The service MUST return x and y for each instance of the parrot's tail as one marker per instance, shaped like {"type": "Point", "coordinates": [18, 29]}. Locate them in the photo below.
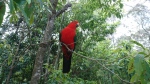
{"type": "Point", "coordinates": [66, 63]}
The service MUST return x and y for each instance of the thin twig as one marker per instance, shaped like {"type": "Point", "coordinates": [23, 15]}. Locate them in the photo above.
{"type": "Point", "coordinates": [80, 54]}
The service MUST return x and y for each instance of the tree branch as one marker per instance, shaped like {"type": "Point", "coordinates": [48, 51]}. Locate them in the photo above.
{"type": "Point", "coordinates": [63, 9]}
{"type": "Point", "coordinates": [54, 3]}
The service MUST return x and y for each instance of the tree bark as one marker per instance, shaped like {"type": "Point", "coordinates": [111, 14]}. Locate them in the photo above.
{"type": "Point", "coordinates": [36, 74]}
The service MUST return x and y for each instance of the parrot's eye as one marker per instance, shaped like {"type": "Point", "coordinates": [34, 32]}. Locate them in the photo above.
{"type": "Point", "coordinates": [77, 25]}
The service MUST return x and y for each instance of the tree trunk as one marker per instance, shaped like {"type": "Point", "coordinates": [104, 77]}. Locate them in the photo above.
{"type": "Point", "coordinates": [36, 74]}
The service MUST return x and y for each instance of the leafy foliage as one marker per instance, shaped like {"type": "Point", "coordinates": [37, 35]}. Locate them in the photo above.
{"type": "Point", "coordinates": [139, 67]}
{"type": "Point", "coordinates": [2, 11]}
{"type": "Point", "coordinates": [95, 60]}
{"type": "Point", "coordinates": [59, 77]}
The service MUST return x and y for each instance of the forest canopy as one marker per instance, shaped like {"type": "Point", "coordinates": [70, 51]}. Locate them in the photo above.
{"type": "Point", "coordinates": [30, 50]}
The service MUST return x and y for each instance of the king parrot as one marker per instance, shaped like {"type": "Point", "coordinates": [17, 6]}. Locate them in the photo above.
{"type": "Point", "coordinates": [67, 39]}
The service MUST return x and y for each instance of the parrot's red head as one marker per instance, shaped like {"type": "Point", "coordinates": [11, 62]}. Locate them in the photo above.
{"type": "Point", "coordinates": [73, 24]}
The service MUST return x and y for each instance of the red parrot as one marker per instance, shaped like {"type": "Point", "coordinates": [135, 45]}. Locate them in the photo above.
{"type": "Point", "coordinates": [67, 39]}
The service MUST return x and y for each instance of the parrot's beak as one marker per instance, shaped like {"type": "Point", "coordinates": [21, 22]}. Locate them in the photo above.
{"type": "Point", "coordinates": [77, 25]}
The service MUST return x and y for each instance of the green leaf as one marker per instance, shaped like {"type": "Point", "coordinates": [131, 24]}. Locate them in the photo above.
{"type": "Point", "coordinates": [130, 66]}
{"type": "Point", "coordinates": [143, 81]}
{"type": "Point", "coordinates": [20, 2]}
{"type": "Point", "coordinates": [31, 19]}
{"type": "Point", "coordinates": [121, 5]}
{"type": "Point", "coordinates": [24, 14]}
{"type": "Point", "coordinates": [9, 59]}
{"type": "Point", "coordinates": [29, 1]}
{"type": "Point", "coordinates": [146, 73]}
{"type": "Point", "coordinates": [49, 3]}
{"type": "Point", "coordinates": [13, 18]}
{"type": "Point", "coordinates": [118, 15]}
{"type": "Point", "coordinates": [142, 53]}
{"type": "Point", "coordinates": [21, 59]}
{"type": "Point", "coordinates": [2, 11]}
{"type": "Point", "coordinates": [138, 60]}
{"type": "Point", "coordinates": [41, 2]}
{"type": "Point", "coordinates": [28, 9]}
{"type": "Point", "coordinates": [117, 50]}
{"type": "Point", "coordinates": [134, 78]}
{"type": "Point", "coordinates": [11, 6]}
{"type": "Point", "coordinates": [137, 43]}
